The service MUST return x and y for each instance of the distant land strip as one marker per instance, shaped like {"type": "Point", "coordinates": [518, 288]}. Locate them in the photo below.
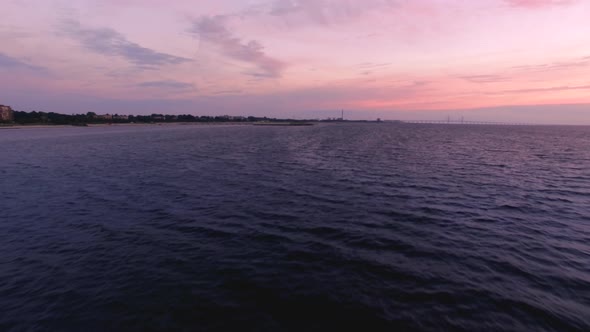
{"type": "Point", "coordinates": [52, 118]}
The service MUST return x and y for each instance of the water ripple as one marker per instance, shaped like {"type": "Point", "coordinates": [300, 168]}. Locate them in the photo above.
{"type": "Point", "coordinates": [351, 226]}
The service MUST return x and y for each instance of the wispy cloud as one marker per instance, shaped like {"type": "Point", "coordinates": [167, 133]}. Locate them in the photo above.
{"type": "Point", "coordinates": [538, 3]}
{"type": "Point", "coordinates": [9, 62]}
{"type": "Point", "coordinates": [167, 84]}
{"type": "Point", "coordinates": [536, 90]}
{"type": "Point", "coordinates": [326, 11]}
{"type": "Point", "coordinates": [372, 65]}
{"type": "Point", "coordinates": [570, 64]}
{"type": "Point", "coordinates": [369, 68]}
{"type": "Point", "coordinates": [285, 7]}
{"type": "Point", "coordinates": [227, 92]}
{"type": "Point", "coordinates": [213, 29]}
{"type": "Point", "coordinates": [484, 78]}
{"type": "Point", "coordinates": [109, 42]}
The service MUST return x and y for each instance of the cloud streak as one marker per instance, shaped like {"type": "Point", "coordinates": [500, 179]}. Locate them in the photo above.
{"type": "Point", "coordinates": [109, 42]}
{"type": "Point", "coordinates": [213, 29]}
{"type": "Point", "coordinates": [538, 3]}
{"type": "Point", "coordinates": [327, 11]}
{"type": "Point", "coordinates": [228, 92]}
{"type": "Point", "coordinates": [9, 62]}
{"type": "Point", "coordinates": [484, 78]}
{"type": "Point", "coordinates": [562, 65]}
{"type": "Point", "coordinates": [167, 84]}
{"type": "Point", "coordinates": [536, 90]}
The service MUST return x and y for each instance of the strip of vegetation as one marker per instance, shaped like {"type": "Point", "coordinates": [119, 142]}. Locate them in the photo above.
{"type": "Point", "coordinates": [51, 118]}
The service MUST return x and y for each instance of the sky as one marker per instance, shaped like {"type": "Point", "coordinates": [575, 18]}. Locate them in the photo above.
{"type": "Point", "coordinates": [494, 60]}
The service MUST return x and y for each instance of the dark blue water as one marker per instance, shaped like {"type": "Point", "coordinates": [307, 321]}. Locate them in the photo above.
{"type": "Point", "coordinates": [350, 226]}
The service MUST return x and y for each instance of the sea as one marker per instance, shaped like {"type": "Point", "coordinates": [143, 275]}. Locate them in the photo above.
{"type": "Point", "coordinates": [342, 226]}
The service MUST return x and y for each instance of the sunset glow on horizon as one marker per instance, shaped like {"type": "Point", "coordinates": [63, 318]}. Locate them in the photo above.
{"type": "Point", "coordinates": [514, 60]}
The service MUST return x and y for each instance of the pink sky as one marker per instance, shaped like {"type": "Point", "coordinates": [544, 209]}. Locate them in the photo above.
{"type": "Point", "coordinates": [501, 60]}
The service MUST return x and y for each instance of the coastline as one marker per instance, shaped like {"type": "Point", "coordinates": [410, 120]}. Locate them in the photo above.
{"type": "Point", "coordinates": [90, 125]}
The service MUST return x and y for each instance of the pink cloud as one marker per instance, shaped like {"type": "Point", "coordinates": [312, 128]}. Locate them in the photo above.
{"type": "Point", "coordinates": [214, 30]}
{"type": "Point", "coordinates": [537, 90]}
{"type": "Point", "coordinates": [538, 3]}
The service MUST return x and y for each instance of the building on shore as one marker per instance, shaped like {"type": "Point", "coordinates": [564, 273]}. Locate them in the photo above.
{"type": "Point", "coordinates": [105, 116]}
{"type": "Point", "coordinates": [120, 117]}
{"type": "Point", "coordinates": [6, 114]}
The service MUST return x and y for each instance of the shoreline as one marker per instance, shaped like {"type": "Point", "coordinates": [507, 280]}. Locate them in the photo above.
{"type": "Point", "coordinates": [90, 125]}
{"type": "Point", "coordinates": [159, 124]}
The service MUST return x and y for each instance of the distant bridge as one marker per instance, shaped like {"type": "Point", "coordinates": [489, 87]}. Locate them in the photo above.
{"type": "Point", "coordinates": [465, 122]}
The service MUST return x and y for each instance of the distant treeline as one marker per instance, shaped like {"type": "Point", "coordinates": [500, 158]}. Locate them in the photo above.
{"type": "Point", "coordinates": [93, 118]}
